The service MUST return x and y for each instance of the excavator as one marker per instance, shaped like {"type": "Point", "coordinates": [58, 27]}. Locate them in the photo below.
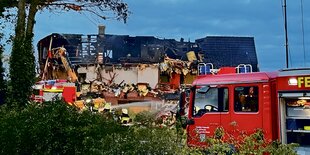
{"type": "Point", "coordinates": [61, 53]}
{"type": "Point", "coordinates": [53, 68]}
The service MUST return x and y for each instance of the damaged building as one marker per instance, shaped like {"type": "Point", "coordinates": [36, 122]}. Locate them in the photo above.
{"type": "Point", "coordinates": [128, 68]}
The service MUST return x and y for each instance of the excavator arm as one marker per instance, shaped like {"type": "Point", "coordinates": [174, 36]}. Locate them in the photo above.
{"type": "Point", "coordinates": [62, 54]}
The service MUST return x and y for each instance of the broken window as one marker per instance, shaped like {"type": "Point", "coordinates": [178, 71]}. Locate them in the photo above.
{"type": "Point", "coordinates": [109, 54]}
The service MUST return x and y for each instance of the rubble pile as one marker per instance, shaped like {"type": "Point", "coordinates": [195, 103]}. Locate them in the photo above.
{"type": "Point", "coordinates": [171, 66]}
{"type": "Point", "coordinates": [165, 89]}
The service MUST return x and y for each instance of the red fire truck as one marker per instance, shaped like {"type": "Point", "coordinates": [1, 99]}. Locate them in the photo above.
{"type": "Point", "coordinates": [276, 102]}
{"type": "Point", "coordinates": [53, 89]}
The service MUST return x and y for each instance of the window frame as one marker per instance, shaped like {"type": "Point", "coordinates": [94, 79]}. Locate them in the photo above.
{"type": "Point", "coordinates": [220, 104]}
{"type": "Point", "coordinates": [248, 99]}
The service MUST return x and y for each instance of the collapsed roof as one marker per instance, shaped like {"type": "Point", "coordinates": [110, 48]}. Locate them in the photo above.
{"type": "Point", "coordinates": [84, 49]}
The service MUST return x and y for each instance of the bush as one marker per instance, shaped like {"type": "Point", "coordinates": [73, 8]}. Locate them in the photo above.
{"type": "Point", "coordinates": [52, 128]}
{"type": "Point", "coordinates": [145, 118]}
{"type": "Point", "coordinates": [56, 128]}
{"type": "Point", "coordinates": [246, 144]}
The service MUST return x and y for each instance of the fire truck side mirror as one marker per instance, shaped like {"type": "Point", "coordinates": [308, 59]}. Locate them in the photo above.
{"type": "Point", "coordinates": [186, 122]}
{"type": "Point", "coordinates": [182, 102]}
{"type": "Point", "coordinates": [190, 122]}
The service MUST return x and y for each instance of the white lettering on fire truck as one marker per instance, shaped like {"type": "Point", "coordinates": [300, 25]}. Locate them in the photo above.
{"type": "Point", "coordinates": [202, 129]}
{"type": "Point", "coordinates": [303, 81]}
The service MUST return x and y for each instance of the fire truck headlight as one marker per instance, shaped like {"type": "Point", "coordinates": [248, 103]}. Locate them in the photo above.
{"type": "Point", "coordinates": [292, 82]}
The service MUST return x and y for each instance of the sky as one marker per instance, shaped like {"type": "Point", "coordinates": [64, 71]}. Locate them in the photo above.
{"type": "Point", "coordinates": [194, 19]}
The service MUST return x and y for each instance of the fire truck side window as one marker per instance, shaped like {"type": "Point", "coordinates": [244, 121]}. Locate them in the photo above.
{"type": "Point", "coordinates": [246, 99]}
{"type": "Point", "coordinates": [209, 99]}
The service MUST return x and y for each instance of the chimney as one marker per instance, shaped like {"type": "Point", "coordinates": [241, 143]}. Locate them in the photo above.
{"type": "Point", "coordinates": [101, 29]}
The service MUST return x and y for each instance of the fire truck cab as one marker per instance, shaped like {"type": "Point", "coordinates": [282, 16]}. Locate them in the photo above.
{"type": "Point", "coordinates": [276, 102]}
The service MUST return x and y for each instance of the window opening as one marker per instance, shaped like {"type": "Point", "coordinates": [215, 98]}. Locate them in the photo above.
{"type": "Point", "coordinates": [210, 99]}
{"type": "Point", "coordinates": [246, 99]}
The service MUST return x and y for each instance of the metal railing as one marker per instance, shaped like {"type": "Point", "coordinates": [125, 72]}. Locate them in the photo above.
{"type": "Point", "coordinates": [244, 68]}
{"type": "Point", "coordinates": [205, 68]}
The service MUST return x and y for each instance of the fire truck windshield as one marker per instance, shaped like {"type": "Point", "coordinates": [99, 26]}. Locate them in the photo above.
{"type": "Point", "coordinates": [210, 99]}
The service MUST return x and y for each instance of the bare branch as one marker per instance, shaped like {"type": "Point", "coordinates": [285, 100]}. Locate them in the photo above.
{"type": "Point", "coordinates": [99, 8]}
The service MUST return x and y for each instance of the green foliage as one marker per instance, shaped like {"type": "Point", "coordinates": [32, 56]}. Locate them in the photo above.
{"type": "Point", "coordinates": [216, 145]}
{"type": "Point", "coordinates": [277, 148]}
{"type": "Point", "coordinates": [246, 144]}
{"type": "Point", "coordinates": [22, 71]}
{"type": "Point", "coordinates": [145, 118]}
{"type": "Point", "coordinates": [53, 128]}
{"type": "Point", "coordinates": [5, 4]}
{"type": "Point", "coordinates": [150, 137]}
{"type": "Point", "coordinates": [56, 128]}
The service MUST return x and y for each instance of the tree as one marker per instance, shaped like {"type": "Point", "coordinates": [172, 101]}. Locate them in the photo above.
{"type": "Point", "coordinates": [2, 81]}
{"type": "Point", "coordinates": [22, 65]}
{"type": "Point", "coordinates": [3, 85]}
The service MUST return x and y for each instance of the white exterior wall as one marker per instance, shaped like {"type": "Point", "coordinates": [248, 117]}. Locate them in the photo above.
{"type": "Point", "coordinates": [90, 73]}
{"type": "Point", "coordinates": [128, 74]}
{"type": "Point", "coordinates": [149, 75]}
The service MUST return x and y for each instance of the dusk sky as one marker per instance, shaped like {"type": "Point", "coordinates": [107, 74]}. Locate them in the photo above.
{"type": "Point", "coordinates": [194, 19]}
